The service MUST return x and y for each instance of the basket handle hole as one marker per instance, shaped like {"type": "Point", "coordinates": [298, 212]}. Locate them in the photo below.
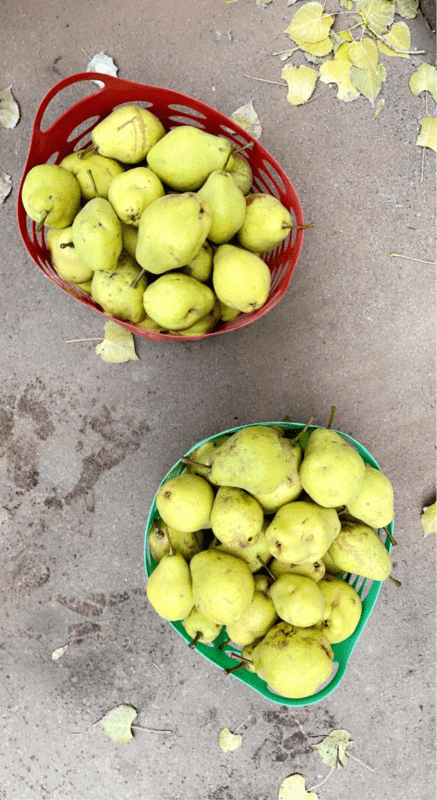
{"type": "Point", "coordinates": [63, 101]}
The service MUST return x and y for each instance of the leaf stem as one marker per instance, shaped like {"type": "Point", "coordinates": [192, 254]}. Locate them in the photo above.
{"type": "Point", "coordinates": [264, 80]}
{"type": "Point", "coordinates": [242, 723]}
{"type": "Point", "coordinates": [420, 260]}
{"type": "Point", "coordinates": [324, 781]}
{"type": "Point", "coordinates": [361, 762]}
{"type": "Point", "coordinates": [92, 339]}
{"type": "Point", "coordinates": [150, 730]}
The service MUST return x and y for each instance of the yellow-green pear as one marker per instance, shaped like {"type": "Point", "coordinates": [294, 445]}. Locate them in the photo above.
{"type": "Point", "coordinates": [342, 609]}
{"type": "Point", "coordinates": [84, 287]}
{"type": "Point", "coordinates": [242, 173]}
{"type": "Point", "coordinates": [51, 195]}
{"type": "Point", "coordinates": [227, 205]}
{"type": "Point", "coordinates": [293, 661]}
{"type": "Point", "coordinates": [223, 585]}
{"type": "Point", "coordinates": [301, 532]}
{"type": "Point", "coordinates": [169, 588]}
{"type": "Point", "coordinates": [64, 256]}
{"type": "Point", "coordinates": [374, 504]}
{"type": "Point", "coordinates": [200, 266]}
{"type": "Point", "coordinates": [199, 460]}
{"type": "Point", "coordinates": [97, 235]}
{"type": "Point", "coordinates": [253, 458]}
{"type": "Point", "coordinates": [241, 279]}
{"type": "Point", "coordinates": [177, 301]}
{"type": "Point", "coordinates": [236, 517]}
{"type": "Point", "coordinates": [255, 621]}
{"type": "Point", "coordinates": [332, 471]}
{"type": "Point", "coordinates": [149, 324]}
{"type": "Point", "coordinates": [314, 569]}
{"type": "Point", "coordinates": [290, 488]}
{"type": "Point", "coordinates": [297, 599]}
{"type": "Point", "coordinates": [204, 325]}
{"type": "Point", "coordinates": [94, 172]}
{"type": "Point", "coordinates": [187, 544]}
{"type": "Point", "coordinates": [359, 550]}
{"type": "Point", "coordinates": [227, 313]}
{"type": "Point", "coordinates": [127, 133]}
{"type": "Point", "coordinates": [266, 223]}
{"type": "Point", "coordinates": [132, 191]}
{"type": "Point", "coordinates": [114, 291]}
{"type": "Point", "coordinates": [130, 238]}
{"type": "Point", "coordinates": [331, 568]}
{"type": "Point", "coordinates": [185, 501]}
{"type": "Point", "coordinates": [186, 155]}
{"type": "Point", "coordinates": [171, 232]}
{"type": "Point", "coordinates": [200, 628]}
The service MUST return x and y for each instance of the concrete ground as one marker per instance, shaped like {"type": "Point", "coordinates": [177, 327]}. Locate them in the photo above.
{"type": "Point", "coordinates": [84, 444]}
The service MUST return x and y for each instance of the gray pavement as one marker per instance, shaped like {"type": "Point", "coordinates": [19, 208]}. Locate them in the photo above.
{"type": "Point", "coordinates": [84, 444]}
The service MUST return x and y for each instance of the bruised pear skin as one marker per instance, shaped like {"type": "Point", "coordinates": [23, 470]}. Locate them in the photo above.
{"type": "Point", "coordinates": [223, 585]}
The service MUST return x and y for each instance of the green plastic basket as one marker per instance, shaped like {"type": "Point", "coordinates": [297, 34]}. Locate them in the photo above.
{"type": "Point", "coordinates": [368, 590]}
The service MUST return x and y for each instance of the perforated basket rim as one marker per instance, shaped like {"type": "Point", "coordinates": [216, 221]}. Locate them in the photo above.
{"type": "Point", "coordinates": [342, 650]}
{"type": "Point", "coordinates": [286, 255]}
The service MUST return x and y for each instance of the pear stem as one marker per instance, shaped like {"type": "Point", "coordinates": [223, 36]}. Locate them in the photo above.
{"type": "Point", "coordinates": [194, 641]}
{"type": "Point", "coordinates": [331, 418]}
{"type": "Point", "coordinates": [223, 644]}
{"type": "Point", "coordinates": [296, 438]}
{"type": "Point", "coordinates": [63, 245]}
{"type": "Point", "coordinates": [135, 281]}
{"type": "Point", "coordinates": [192, 463]}
{"type": "Point", "coordinates": [41, 222]}
{"type": "Point", "coordinates": [261, 560]}
{"type": "Point", "coordinates": [93, 182]}
{"type": "Point", "coordinates": [171, 552]}
{"type": "Point", "coordinates": [390, 536]}
{"type": "Point", "coordinates": [298, 227]}
{"type": "Point", "coordinates": [395, 581]}
{"type": "Point", "coordinates": [90, 149]}
{"type": "Point", "coordinates": [228, 671]}
{"type": "Point", "coordinates": [234, 150]}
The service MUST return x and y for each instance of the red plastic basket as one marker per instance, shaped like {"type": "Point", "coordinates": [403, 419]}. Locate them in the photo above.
{"type": "Point", "coordinates": [72, 131]}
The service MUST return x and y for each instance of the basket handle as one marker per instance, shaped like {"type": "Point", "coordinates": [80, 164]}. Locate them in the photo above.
{"type": "Point", "coordinates": [57, 89]}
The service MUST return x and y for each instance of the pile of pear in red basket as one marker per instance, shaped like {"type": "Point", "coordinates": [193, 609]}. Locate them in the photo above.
{"type": "Point", "coordinates": [159, 227]}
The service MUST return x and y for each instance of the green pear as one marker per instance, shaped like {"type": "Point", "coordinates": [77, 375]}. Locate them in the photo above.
{"type": "Point", "coordinates": [314, 570]}
{"type": "Point", "coordinates": [176, 301]}
{"type": "Point", "coordinates": [51, 195]}
{"type": "Point", "coordinates": [242, 173]}
{"type": "Point", "coordinates": [359, 550]}
{"type": "Point", "coordinates": [253, 458]}
{"type": "Point", "coordinates": [227, 313]}
{"type": "Point", "coordinates": [227, 205]}
{"type": "Point", "coordinates": [97, 235]}
{"type": "Point", "coordinates": [252, 553]}
{"type": "Point", "coordinates": [127, 134]}
{"type": "Point", "coordinates": [200, 266]}
{"type": "Point", "coordinates": [115, 293]}
{"type": "Point", "coordinates": [94, 172]}
{"type": "Point", "coordinates": [131, 192]}
{"type": "Point", "coordinates": [290, 488]}
{"type": "Point", "coordinates": [293, 661]}
{"type": "Point", "coordinates": [297, 599]}
{"type": "Point", "coordinates": [186, 155]}
{"type": "Point", "coordinates": [171, 232]}
{"type": "Point", "coordinates": [241, 279]}
{"type": "Point", "coordinates": [332, 471]}
{"type": "Point", "coordinates": [169, 588]}
{"type": "Point", "coordinates": [266, 223]}
{"type": "Point", "coordinates": [200, 628]}
{"type": "Point", "coordinates": [130, 238]}
{"type": "Point", "coordinates": [301, 532]}
{"type": "Point", "coordinates": [149, 324]}
{"type": "Point", "coordinates": [255, 621]}
{"type": "Point", "coordinates": [236, 517]}
{"type": "Point", "coordinates": [64, 257]}
{"type": "Point", "coordinates": [223, 585]}
{"type": "Point", "coordinates": [374, 504]}
{"type": "Point", "coordinates": [185, 502]}
{"type": "Point", "coordinates": [203, 325]}
{"type": "Point", "coordinates": [342, 609]}
{"type": "Point", "coordinates": [84, 287]}
{"type": "Point", "coordinates": [187, 544]}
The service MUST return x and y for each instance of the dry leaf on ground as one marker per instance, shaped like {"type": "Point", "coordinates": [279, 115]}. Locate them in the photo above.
{"type": "Point", "coordinates": [118, 344]}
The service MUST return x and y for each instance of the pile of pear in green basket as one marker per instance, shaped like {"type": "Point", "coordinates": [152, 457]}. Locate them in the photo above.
{"type": "Point", "coordinates": [160, 228]}
{"type": "Point", "coordinates": [254, 535]}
